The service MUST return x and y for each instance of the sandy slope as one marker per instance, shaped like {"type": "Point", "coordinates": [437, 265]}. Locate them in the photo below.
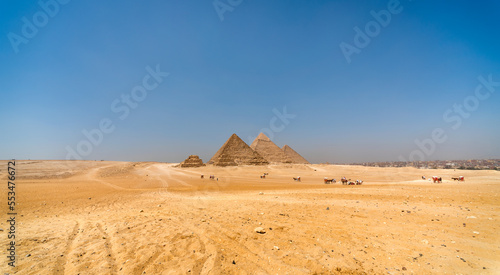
{"type": "Point", "coordinates": [92, 217]}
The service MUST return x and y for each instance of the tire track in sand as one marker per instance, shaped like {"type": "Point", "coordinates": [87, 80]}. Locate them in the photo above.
{"type": "Point", "coordinates": [110, 256]}
{"type": "Point", "coordinates": [62, 261]}
{"type": "Point", "coordinates": [93, 175]}
{"type": "Point", "coordinates": [142, 268]}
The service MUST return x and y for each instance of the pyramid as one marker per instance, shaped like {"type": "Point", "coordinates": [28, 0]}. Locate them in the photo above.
{"type": "Point", "coordinates": [294, 156]}
{"type": "Point", "coordinates": [236, 152]}
{"type": "Point", "coordinates": [192, 161]}
{"type": "Point", "coordinates": [270, 151]}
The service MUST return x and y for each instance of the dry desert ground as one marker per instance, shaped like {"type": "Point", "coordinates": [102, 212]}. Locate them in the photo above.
{"type": "Point", "coordinates": [102, 217]}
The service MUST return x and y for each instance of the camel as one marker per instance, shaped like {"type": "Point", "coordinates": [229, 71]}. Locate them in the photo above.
{"type": "Point", "coordinates": [328, 181]}
{"type": "Point", "coordinates": [437, 179]}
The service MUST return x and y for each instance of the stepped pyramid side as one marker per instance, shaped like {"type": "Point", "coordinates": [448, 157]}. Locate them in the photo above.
{"type": "Point", "coordinates": [294, 156]}
{"type": "Point", "coordinates": [236, 152]}
{"type": "Point", "coordinates": [192, 161]}
{"type": "Point", "coordinates": [269, 150]}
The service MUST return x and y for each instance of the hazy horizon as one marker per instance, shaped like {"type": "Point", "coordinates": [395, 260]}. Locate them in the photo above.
{"type": "Point", "coordinates": [338, 81]}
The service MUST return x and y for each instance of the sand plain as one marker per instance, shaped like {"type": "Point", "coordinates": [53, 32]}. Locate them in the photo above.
{"type": "Point", "coordinates": [102, 217]}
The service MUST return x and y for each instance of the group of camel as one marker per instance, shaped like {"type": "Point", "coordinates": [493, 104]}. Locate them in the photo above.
{"type": "Point", "coordinates": [212, 177]}
{"type": "Point", "coordinates": [440, 179]}
{"type": "Point", "coordinates": [348, 181]}
{"type": "Point", "coordinates": [344, 181]}
{"type": "Point", "coordinates": [327, 180]}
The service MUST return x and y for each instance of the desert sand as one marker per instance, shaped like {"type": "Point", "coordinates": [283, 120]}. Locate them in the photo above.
{"type": "Point", "coordinates": [101, 217]}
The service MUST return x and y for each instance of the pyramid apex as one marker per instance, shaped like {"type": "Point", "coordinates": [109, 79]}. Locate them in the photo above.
{"type": "Point", "coordinates": [263, 137]}
{"type": "Point", "coordinates": [233, 136]}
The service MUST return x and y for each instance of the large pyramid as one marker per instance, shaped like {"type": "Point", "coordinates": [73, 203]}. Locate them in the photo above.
{"type": "Point", "coordinates": [270, 151]}
{"type": "Point", "coordinates": [294, 156]}
{"type": "Point", "coordinates": [236, 152]}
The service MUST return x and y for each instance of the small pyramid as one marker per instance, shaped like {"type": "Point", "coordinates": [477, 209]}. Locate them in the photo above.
{"type": "Point", "coordinates": [236, 152]}
{"type": "Point", "coordinates": [192, 161]}
{"type": "Point", "coordinates": [269, 150]}
{"type": "Point", "coordinates": [294, 156]}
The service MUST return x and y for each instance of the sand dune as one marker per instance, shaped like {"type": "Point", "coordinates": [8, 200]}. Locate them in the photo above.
{"type": "Point", "coordinates": [100, 217]}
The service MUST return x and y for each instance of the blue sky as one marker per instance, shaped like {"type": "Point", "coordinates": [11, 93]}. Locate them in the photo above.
{"type": "Point", "coordinates": [227, 76]}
